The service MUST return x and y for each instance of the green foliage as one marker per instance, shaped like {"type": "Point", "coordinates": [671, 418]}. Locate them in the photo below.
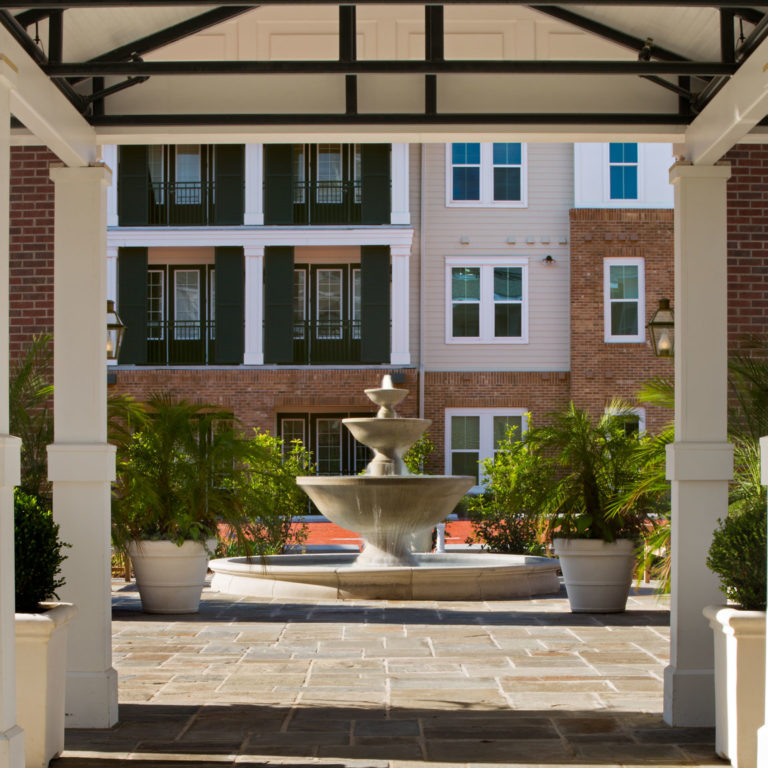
{"type": "Point", "coordinates": [269, 497]}
{"type": "Point", "coordinates": [418, 455]}
{"type": "Point", "coordinates": [37, 551]}
{"type": "Point", "coordinates": [505, 516]}
{"type": "Point", "coordinates": [176, 476]}
{"type": "Point", "coordinates": [737, 556]}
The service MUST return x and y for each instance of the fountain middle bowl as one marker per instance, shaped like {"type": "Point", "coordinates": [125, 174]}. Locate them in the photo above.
{"type": "Point", "coordinates": [371, 505]}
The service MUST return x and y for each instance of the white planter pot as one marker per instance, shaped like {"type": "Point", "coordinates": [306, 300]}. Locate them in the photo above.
{"type": "Point", "coordinates": [597, 574]}
{"type": "Point", "coordinates": [41, 668]}
{"type": "Point", "coordinates": [739, 682]}
{"type": "Point", "coordinates": [170, 578]}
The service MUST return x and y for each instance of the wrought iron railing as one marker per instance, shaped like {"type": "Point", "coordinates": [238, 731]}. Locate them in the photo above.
{"type": "Point", "coordinates": [185, 342]}
{"type": "Point", "coordinates": [327, 202]}
{"type": "Point", "coordinates": [326, 342]}
{"type": "Point", "coordinates": [181, 203]}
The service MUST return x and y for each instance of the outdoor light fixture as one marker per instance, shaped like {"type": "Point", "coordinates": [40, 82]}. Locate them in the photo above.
{"type": "Point", "coordinates": [115, 330]}
{"type": "Point", "coordinates": [548, 259]}
{"type": "Point", "coordinates": [662, 328]}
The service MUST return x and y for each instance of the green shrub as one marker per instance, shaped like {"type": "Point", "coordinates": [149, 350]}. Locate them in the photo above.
{"type": "Point", "coordinates": [418, 454]}
{"type": "Point", "coordinates": [737, 556]}
{"type": "Point", "coordinates": [37, 550]}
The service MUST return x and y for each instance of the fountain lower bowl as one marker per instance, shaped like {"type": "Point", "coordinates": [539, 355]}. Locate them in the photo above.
{"type": "Point", "coordinates": [450, 576]}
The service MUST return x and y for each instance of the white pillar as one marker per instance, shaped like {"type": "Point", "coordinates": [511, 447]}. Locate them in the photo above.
{"type": "Point", "coordinates": [700, 462]}
{"type": "Point", "coordinates": [401, 213]}
{"type": "Point", "coordinates": [254, 184]}
{"type": "Point", "coordinates": [109, 156]}
{"type": "Point", "coordinates": [254, 305]}
{"type": "Point", "coordinates": [81, 464]}
{"type": "Point", "coordinates": [11, 736]}
{"type": "Point", "coordinates": [401, 277]}
{"type": "Point", "coordinates": [762, 732]}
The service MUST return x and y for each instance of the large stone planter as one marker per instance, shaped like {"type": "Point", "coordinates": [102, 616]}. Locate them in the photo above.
{"type": "Point", "coordinates": [597, 574]}
{"type": "Point", "coordinates": [170, 578]}
{"type": "Point", "coordinates": [41, 667]}
{"type": "Point", "coordinates": [739, 682]}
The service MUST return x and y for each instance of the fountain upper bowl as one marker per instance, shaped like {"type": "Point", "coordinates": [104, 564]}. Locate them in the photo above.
{"type": "Point", "coordinates": [387, 435]}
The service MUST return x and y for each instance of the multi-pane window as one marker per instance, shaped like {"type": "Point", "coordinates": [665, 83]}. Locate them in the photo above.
{"type": "Point", "coordinates": [623, 166]}
{"type": "Point", "coordinates": [624, 297]}
{"type": "Point", "coordinates": [155, 304]}
{"type": "Point", "coordinates": [486, 302]}
{"type": "Point", "coordinates": [485, 174]}
{"type": "Point", "coordinates": [188, 174]}
{"type": "Point", "coordinates": [328, 446]}
{"type": "Point", "coordinates": [474, 434]}
{"type": "Point", "coordinates": [357, 308]}
{"type": "Point", "coordinates": [299, 303]}
{"type": "Point", "coordinates": [330, 303]}
{"type": "Point", "coordinates": [186, 304]}
{"type": "Point", "coordinates": [290, 430]}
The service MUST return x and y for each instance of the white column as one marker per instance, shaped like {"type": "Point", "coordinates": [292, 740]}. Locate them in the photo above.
{"type": "Point", "coordinates": [11, 736]}
{"type": "Point", "coordinates": [401, 213]}
{"type": "Point", "coordinates": [81, 464]}
{"type": "Point", "coordinates": [401, 277]}
{"type": "Point", "coordinates": [254, 305]}
{"type": "Point", "coordinates": [700, 462]}
{"type": "Point", "coordinates": [109, 156]}
{"type": "Point", "coordinates": [762, 732]}
{"type": "Point", "coordinates": [254, 184]}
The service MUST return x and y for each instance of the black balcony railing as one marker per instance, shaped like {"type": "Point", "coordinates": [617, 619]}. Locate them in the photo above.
{"type": "Point", "coordinates": [327, 202]}
{"type": "Point", "coordinates": [181, 203]}
{"type": "Point", "coordinates": [316, 343]}
{"type": "Point", "coordinates": [180, 343]}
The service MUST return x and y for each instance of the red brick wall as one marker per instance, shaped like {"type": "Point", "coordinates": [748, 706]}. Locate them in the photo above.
{"type": "Point", "coordinates": [600, 371]}
{"type": "Point", "coordinates": [31, 245]}
{"type": "Point", "coordinates": [539, 393]}
{"type": "Point", "coordinates": [256, 396]}
{"type": "Point", "coordinates": [747, 245]}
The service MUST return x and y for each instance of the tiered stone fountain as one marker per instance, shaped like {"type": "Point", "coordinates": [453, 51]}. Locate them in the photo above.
{"type": "Point", "coordinates": [387, 506]}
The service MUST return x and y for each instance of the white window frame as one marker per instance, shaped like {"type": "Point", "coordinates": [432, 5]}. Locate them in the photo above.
{"type": "Point", "coordinates": [163, 318]}
{"type": "Point", "coordinates": [486, 265]}
{"type": "Point", "coordinates": [620, 261]}
{"type": "Point", "coordinates": [486, 445]}
{"type": "Point", "coordinates": [639, 412]}
{"type": "Point", "coordinates": [486, 178]}
{"type": "Point", "coordinates": [624, 202]}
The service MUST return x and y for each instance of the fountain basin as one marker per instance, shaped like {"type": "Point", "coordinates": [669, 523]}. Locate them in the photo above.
{"type": "Point", "coordinates": [385, 509]}
{"type": "Point", "coordinates": [451, 576]}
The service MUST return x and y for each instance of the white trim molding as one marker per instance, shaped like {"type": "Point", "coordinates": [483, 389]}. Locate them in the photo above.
{"type": "Point", "coordinates": [254, 185]}
{"type": "Point", "coordinates": [254, 306]}
{"type": "Point", "coordinates": [401, 213]}
{"type": "Point", "coordinates": [400, 306]}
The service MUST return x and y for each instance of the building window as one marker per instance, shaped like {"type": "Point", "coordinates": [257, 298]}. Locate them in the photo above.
{"type": "Point", "coordinates": [485, 174]}
{"type": "Point", "coordinates": [474, 434]}
{"type": "Point", "coordinates": [624, 299]}
{"type": "Point", "coordinates": [622, 165]}
{"type": "Point", "coordinates": [486, 301]}
{"type": "Point", "coordinates": [632, 419]}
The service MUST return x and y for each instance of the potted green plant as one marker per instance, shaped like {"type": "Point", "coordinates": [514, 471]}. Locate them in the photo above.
{"type": "Point", "coordinates": [737, 556]}
{"type": "Point", "coordinates": [176, 479]}
{"type": "Point", "coordinates": [591, 462]}
{"type": "Point", "coordinates": [41, 630]}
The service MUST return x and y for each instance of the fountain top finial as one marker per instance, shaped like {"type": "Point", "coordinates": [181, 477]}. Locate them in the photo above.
{"type": "Point", "coordinates": [387, 396]}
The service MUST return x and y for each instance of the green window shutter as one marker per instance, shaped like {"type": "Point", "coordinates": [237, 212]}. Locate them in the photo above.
{"type": "Point", "coordinates": [278, 304]}
{"type": "Point", "coordinates": [132, 303]}
{"type": "Point", "coordinates": [230, 305]}
{"type": "Point", "coordinates": [278, 184]}
{"type": "Point", "coordinates": [376, 186]}
{"type": "Point", "coordinates": [229, 180]}
{"type": "Point", "coordinates": [375, 304]}
{"type": "Point", "coordinates": [133, 189]}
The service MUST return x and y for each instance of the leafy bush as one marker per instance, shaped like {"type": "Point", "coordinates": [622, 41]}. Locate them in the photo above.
{"type": "Point", "coordinates": [737, 556]}
{"type": "Point", "coordinates": [37, 550]}
{"type": "Point", "coordinates": [269, 496]}
{"type": "Point", "coordinates": [418, 455]}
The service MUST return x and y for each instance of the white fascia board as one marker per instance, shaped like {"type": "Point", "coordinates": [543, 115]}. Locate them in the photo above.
{"type": "Point", "coordinates": [45, 111]}
{"type": "Point", "coordinates": [733, 112]}
{"type": "Point", "coordinates": [409, 134]}
{"type": "Point", "coordinates": [258, 237]}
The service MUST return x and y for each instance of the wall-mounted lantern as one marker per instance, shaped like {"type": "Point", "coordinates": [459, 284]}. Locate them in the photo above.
{"type": "Point", "coordinates": [115, 330]}
{"type": "Point", "coordinates": [662, 330]}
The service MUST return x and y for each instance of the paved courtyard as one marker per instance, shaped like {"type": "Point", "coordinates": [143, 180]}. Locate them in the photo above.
{"type": "Point", "coordinates": [368, 684]}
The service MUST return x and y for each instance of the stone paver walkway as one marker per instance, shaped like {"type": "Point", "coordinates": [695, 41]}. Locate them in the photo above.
{"type": "Point", "coordinates": [368, 684]}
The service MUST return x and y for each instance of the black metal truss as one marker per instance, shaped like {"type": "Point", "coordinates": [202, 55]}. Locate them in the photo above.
{"type": "Point", "coordinates": [47, 4]}
{"type": "Point", "coordinates": [394, 67]}
{"type": "Point", "coordinates": [27, 18]}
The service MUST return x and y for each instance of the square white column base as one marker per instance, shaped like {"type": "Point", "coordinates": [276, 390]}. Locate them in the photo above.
{"type": "Point", "coordinates": [762, 738]}
{"type": "Point", "coordinates": [689, 697]}
{"type": "Point", "coordinates": [91, 699]}
{"type": "Point", "coordinates": [12, 748]}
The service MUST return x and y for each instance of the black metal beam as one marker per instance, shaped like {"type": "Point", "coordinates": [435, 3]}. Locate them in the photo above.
{"type": "Point", "coordinates": [430, 95]}
{"type": "Point", "coordinates": [434, 33]}
{"type": "Point", "coordinates": [394, 67]}
{"type": "Point", "coordinates": [350, 95]}
{"type": "Point", "coordinates": [635, 44]}
{"type": "Point", "coordinates": [116, 88]}
{"type": "Point", "coordinates": [55, 36]}
{"type": "Point", "coordinates": [97, 102]}
{"type": "Point", "coordinates": [19, 33]}
{"type": "Point", "coordinates": [749, 14]}
{"type": "Point", "coordinates": [442, 118]}
{"type": "Point", "coordinates": [680, 91]}
{"type": "Point", "coordinates": [27, 18]}
{"type": "Point", "coordinates": [347, 33]}
{"type": "Point", "coordinates": [727, 41]}
{"type": "Point", "coordinates": [40, 4]}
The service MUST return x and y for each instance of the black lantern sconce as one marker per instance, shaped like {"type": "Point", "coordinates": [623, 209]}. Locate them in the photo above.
{"type": "Point", "coordinates": [662, 330]}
